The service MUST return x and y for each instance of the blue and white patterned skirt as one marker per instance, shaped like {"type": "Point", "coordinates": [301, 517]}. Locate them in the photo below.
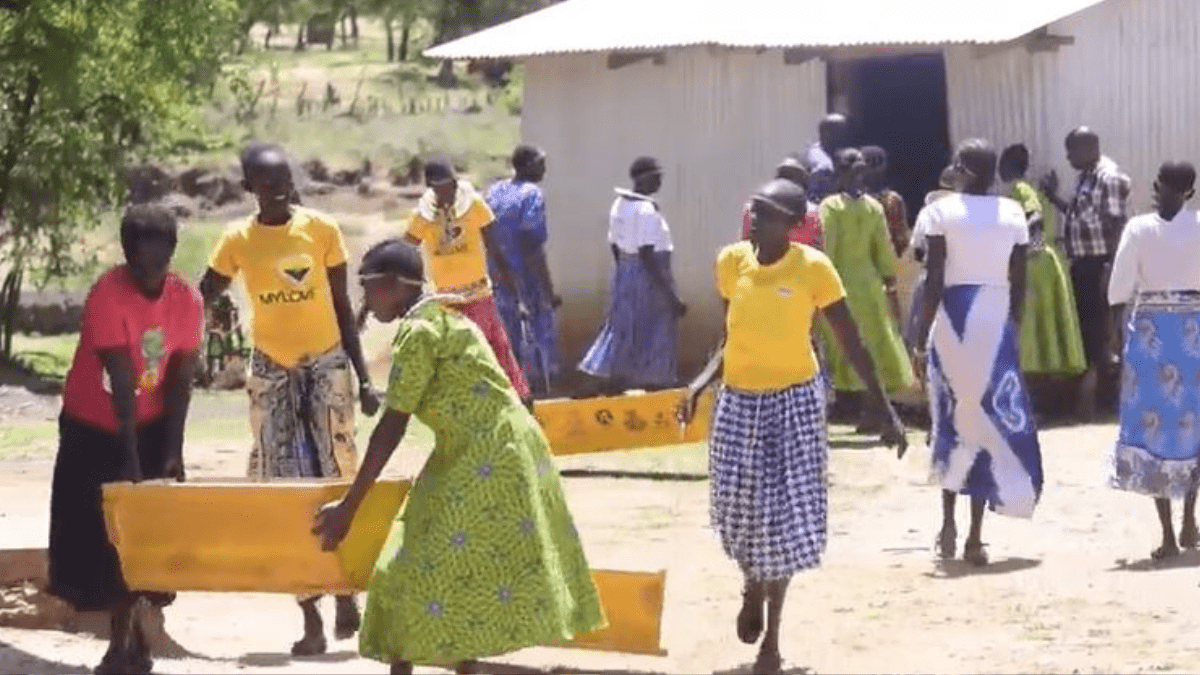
{"type": "Point", "coordinates": [637, 345]}
{"type": "Point", "coordinates": [1159, 444]}
{"type": "Point", "coordinates": [768, 455]}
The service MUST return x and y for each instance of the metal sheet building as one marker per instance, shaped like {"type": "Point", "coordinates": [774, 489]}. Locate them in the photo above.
{"type": "Point", "coordinates": [720, 90]}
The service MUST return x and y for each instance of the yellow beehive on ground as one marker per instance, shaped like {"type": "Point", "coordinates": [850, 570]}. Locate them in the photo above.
{"type": "Point", "coordinates": [239, 536]}
{"type": "Point", "coordinates": [640, 420]}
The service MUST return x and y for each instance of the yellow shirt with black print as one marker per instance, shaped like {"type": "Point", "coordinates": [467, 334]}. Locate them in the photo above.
{"type": "Point", "coordinates": [284, 269]}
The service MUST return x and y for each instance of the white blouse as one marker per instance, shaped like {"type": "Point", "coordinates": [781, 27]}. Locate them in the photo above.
{"type": "Point", "coordinates": [634, 222]}
{"type": "Point", "coordinates": [980, 232]}
{"type": "Point", "coordinates": [1156, 255]}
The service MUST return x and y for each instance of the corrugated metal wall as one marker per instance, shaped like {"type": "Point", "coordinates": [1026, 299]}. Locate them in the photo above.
{"type": "Point", "coordinates": [1133, 75]}
{"type": "Point", "coordinates": [719, 121]}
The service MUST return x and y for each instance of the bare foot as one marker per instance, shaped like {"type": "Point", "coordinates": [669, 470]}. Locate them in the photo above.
{"type": "Point", "coordinates": [769, 662]}
{"type": "Point", "coordinates": [309, 645]}
{"type": "Point", "coordinates": [750, 618]}
{"type": "Point", "coordinates": [401, 668]}
{"type": "Point", "coordinates": [1167, 550]}
{"type": "Point", "coordinates": [946, 543]}
{"type": "Point", "coordinates": [974, 554]}
{"type": "Point", "coordinates": [1189, 536]}
{"type": "Point", "coordinates": [346, 620]}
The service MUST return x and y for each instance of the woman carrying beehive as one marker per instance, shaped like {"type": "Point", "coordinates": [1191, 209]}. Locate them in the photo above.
{"type": "Point", "coordinates": [125, 402]}
{"type": "Point", "coordinates": [292, 261]}
{"type": "Point", "coordinates": [485, 558]}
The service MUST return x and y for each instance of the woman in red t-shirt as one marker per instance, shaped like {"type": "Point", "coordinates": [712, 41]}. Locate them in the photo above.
{"type": "Point", "coordinates": [124, 406]}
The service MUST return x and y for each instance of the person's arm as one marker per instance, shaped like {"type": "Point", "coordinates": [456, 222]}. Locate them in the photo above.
{"type": "Point", "coordinates": [616, 252]}
{"type": "Point", "coordinates": [846, 330]}
{"type": "Point", "coordinates": [649, 222]}
{"type": "Point", "coordinates": [900, 236]}
{"type": "Point", "coordinates": [508, 279]}
{"type": "Point", "coordinates": [222, 267]}
{"type": "Point", "coordinates": [177, 390]}
{"type": "Point", "coordinates": [712, 369]}
{"type": "Point", "coordinates": [1122, 282]}
{"type": "Point", "coordinates": [533, 237]}
{"type": "Point", "coordinates": [657, 275]}
{"type": "Point", "coordinates": [935, 282]}
{"type": "Point", "coordinates": [213, 285]}
{"type": "Point", "coordinates": [884, 257]}
{"type": "Point", "coordinates": [414, 365]}
{"type": "Point", "coordinates": [348, 323]}
{"type": "Point", "coordinates": [1114, 210]}
{"type": "Point", "coordinates": [1017, 263]}
{"type": "Point", "coordinates": [124, 392]}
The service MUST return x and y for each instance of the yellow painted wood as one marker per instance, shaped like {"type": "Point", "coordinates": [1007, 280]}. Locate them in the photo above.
{"type": "Point", "coordinates": [643, 420]}
{"type": "Point", "coordinates": [240, 536]}
{"type": "Point", "coordinates": [633, 605]}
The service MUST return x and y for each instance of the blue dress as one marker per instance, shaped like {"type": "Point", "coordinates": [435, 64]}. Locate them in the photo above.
{"type": "Point", "coordinates": [520, 211]}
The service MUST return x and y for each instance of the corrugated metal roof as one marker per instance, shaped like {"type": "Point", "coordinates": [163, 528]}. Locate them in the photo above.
{"type": "Point", "coordinates": [607, 25]}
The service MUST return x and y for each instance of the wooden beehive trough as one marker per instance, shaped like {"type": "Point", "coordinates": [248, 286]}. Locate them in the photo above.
{"type": "Point", "coordinates": [240, 536]}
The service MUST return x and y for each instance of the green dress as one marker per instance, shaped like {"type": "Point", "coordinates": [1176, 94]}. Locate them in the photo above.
{"type": "Point", "coordinates": [484, 558]}
{"type": "Point", "coordinates": [1051, 341]}
{"type": "Point", "coordinates": [859, 244]}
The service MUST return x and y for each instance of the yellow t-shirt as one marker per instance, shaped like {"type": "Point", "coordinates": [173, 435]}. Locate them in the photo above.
{"type": "Point", "coordinates": [455, 250]}
{"type": "Point", "coordinates": [284, 269]}
{"type": "Point", "coordinates": [771, 308]}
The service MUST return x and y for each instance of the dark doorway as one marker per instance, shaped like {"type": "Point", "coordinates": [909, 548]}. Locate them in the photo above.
{"type": "Point", "coordinates": [898, 103]}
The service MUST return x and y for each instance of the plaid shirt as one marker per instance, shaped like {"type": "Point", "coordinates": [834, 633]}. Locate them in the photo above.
{"type": "Point", "coordinates": [1101, 195]}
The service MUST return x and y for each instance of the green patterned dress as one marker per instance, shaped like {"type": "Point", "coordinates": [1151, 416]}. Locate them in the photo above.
{"type": "Point", "coordinates": [484, 558]}
{"type": "Point", "coordinates": [1051, 341]}
{"type": "Point", "coordinates": [859, 244]}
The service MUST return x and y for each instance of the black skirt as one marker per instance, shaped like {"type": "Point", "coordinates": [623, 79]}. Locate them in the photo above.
{"type": "Point", "coordinates": [84, 568]}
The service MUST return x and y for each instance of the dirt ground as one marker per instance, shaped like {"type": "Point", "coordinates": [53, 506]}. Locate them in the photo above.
{"type": "Point", "coordinates": [1069, 592]}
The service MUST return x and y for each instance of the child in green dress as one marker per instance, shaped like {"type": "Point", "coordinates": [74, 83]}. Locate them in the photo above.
{"type": "Point", "coordinates": [484, 558]}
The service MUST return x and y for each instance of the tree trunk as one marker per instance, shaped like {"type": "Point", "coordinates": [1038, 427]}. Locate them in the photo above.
{"type": "Point", "coordinates": [391, 38]}
{"type": "Point", "coordinates": [300, 37]}
{"type": "Point", "coordinates": [354, 24]}
{"type": "Point", "coordinates": [10, 300]}
{"type": "Point", "coordinates": [267, 39]}
{"type": "Point", "coordinates": [405, 32]}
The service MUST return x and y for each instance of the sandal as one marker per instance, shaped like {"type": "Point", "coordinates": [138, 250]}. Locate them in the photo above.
{"type": "Point", "coordinates": [750, 618]}
{"type": "Point", "coordinates": [946, 543]}
{"type": "Point", "coordinates": [974, 554]}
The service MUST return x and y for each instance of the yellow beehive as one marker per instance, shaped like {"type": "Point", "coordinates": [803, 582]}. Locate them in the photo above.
{"type": "Point", "coordinates": [643, 420]}
{"type": "Point", "coordinates": [239, 536]}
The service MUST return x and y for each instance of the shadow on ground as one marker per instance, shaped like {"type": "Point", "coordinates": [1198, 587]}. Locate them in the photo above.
{"type": "Point", "coordinates": [957, 569]}
{"type": "Point", "coordinates": [279, 660]}
{"type": "Point", "coordinates": [13, 660]}
{"type": "Point", "coordinates": [1183, 560]}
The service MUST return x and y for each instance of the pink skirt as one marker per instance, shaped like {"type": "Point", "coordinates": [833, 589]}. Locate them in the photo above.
{"type": "Point", "coordinates": [486, 315]}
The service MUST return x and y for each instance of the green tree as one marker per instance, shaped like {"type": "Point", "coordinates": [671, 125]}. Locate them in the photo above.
{"type": "Point", "coordinates": [86, 88]}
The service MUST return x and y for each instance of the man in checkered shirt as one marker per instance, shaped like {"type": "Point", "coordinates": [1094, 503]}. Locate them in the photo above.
{"type": "Point", "coordinates": [1095, 216]}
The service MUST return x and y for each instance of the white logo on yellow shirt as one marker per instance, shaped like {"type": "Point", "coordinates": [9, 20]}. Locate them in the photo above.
{"type": "Point", "coordinates": [294, 269]}
{"type": "Point", "coordinates": [785, 292]}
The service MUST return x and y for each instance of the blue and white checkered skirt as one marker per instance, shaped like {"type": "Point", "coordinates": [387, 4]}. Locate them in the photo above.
{"type": "Point", "coordinates": [767, 460]}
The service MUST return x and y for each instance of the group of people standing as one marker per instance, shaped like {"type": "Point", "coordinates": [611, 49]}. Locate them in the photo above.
{"type": "Point", "coordinates": [810, 304]}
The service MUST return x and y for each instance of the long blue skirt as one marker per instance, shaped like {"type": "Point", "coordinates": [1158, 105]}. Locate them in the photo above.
{"type": "Point", "coordinates": [1159, 444]}
{"type": "Point", "coordinates": [637, 345]}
